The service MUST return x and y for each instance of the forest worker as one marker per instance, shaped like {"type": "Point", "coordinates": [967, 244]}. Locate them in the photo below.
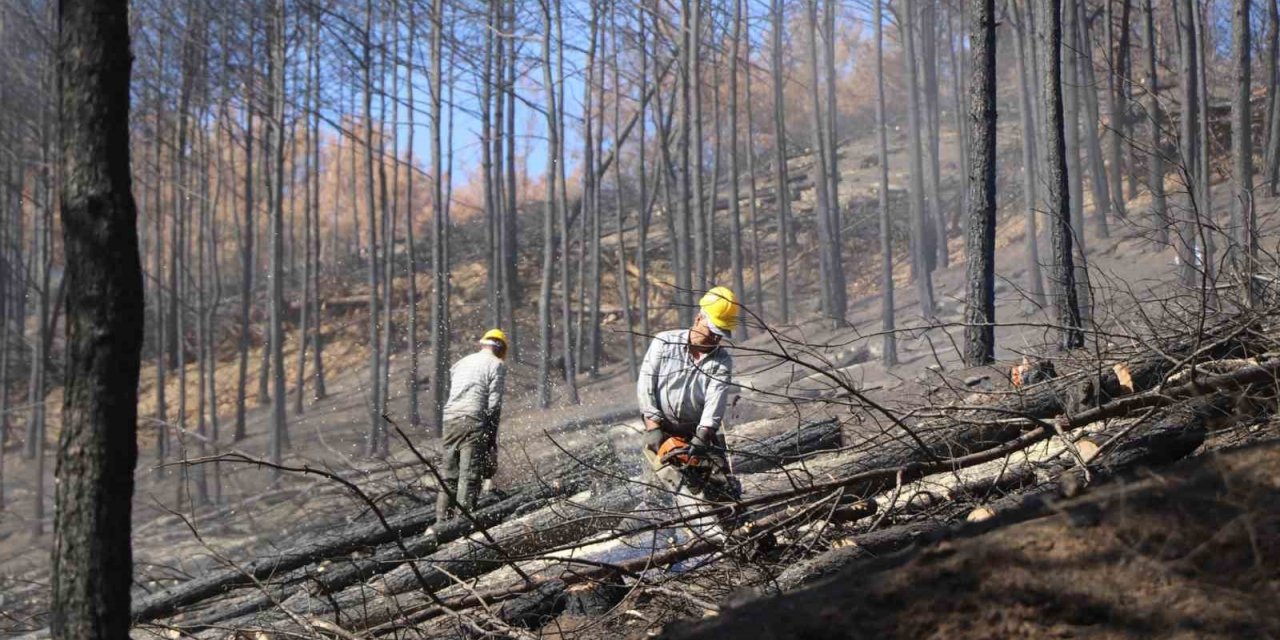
{"type": "Point", "coordinates": [471, 423]}
{"type": "Point", "coordinates": [683, 391]}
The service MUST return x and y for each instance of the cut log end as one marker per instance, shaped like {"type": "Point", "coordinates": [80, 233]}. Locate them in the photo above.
{"type": "Point", "coordinates": [980, 514]}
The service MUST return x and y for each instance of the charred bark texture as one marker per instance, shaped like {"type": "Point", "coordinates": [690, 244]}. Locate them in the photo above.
{"type": "Point", "coordinates": [92, 555]}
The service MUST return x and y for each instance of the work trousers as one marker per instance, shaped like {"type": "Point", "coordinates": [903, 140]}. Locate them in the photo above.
{"type": "Point", "coordinates": [468, 458]}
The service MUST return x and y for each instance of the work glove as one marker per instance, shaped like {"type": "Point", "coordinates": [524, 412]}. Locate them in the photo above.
{"type": "Point", "coordinates": [704, 446]}
{"type": "Point", "coordinates": [653, 438]}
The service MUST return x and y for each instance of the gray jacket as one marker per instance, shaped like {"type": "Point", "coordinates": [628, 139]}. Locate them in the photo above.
{"type": "Point", "coordinates": [680, 392]}
{"type": "Point", "coordinates": [476, 387]}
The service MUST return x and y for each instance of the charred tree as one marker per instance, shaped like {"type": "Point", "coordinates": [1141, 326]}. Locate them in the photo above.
{"type": "Point", "coordinates": [1159, 214]}
{"type": "Point", "coordinates": [92, 553]}
{"type": "Point", "coordinates": [782, 193]}
{"type": "Point", "coordinates": [1057, 193]}
{"type": "Point", "coordinates": [889, 354]}
{"type": "Point", "coordinates": [1026, 96]}
{"type": "Point", "coordinates": [920, 261]}
{"type": "Point", "coordinates": [980, 312]}
{"type": "Point", "coordinates": [1243, 244]}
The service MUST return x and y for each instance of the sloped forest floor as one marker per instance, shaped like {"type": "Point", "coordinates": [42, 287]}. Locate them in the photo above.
{"type": "Point", "coordinates": [1146, 550]}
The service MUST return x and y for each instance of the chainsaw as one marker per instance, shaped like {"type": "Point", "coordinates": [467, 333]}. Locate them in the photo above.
{"type": "Point", "coordinates": [707, 476]}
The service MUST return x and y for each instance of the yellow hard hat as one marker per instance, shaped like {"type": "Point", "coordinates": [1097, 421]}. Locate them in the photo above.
{"type": "Point", "coordinates": [494, 335]}
{"type": "Point", "coordinates": [720, 307]}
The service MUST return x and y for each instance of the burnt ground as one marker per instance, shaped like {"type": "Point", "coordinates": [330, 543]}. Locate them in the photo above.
{"type": "Point", "coordinates": [1191, 551]}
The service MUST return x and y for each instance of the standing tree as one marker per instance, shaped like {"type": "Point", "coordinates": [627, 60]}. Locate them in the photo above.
{"type": "Point", "coordinates": [1070, 81]}
{"type": "Point", "coordinates": [1159, 218]}
{"type": "Point", "coordinates": [1190, 141]}
{"type": "Point", "coordinates": [920, 255]}
{"type": "Point", "coordinates": [1057, 194]}
{"type": "Point", "coordinates": [1035, 281]}
{"type": "Point", "coordinates": [890, 350]}
{"type": "Point", "coordinates": [1272, 152]}
{"type": "Point", "coordinates": [1088, 92]}
{"type": "Point", "coordinates": [826, 270]}
{"type": "Point", "coordinates": [276, 61]}
{"type": "Point", "coordinates": [735, 178]}
{"type": "Point", "coordinates": [439, 257]}
{"type": "Point", "coordinates": [246, 251]}
{"type": "Point", "coordinates": [1241, 251]}
{"type": "Point", "coordinates": [782, 194]}
{"type": "Point", "coordinates": [1118, 109]}
{"type": "Point", "coordinates": [927, 49]}
{"type": "Point", "coordinates": [92, 552]}
{"type": "Point", "coordinates": [980, 310]}
{"type": "Point", "coordinates": [548, 217]}
{"type": "Point", "coordinates": [376, 429]}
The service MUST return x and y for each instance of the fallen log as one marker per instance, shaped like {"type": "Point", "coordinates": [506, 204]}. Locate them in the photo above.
{"type": "Point", "coordinates": [1176, 433]}
{"type": "Point", "coordinates": [421, 612]}
{"type": "Point", "coordinates": [533, 609]}
{"type": "Point", "coordinates": [969, 431]}
{"type": "Point", "coordinates": [785, 448]}
{"type": "Point", "coordinates": [595, 598]}
{"type": "Point", "coordinates": [369, 604]}
{"type": "Point", "coordinates": [554, 526]}
{"type": "Point", "coordinates": [355, 537]}
{"type": "Point", "coordinates": [755, 457]}
{"type": "Point", "coordinates": [351, 570]}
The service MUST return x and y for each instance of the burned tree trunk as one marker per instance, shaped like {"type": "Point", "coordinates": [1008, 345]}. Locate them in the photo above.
{"type": "Point", "coordinates": [92, 555]}
{"type": "Point", "coordinates": [980, 311]}
{"type": "Point", "coordinates": [890, 346]}
{"type": "Point", "coordinates": [1242, 248]}
{"type": "Point", "coordinates": [1159, 217]}
{"type": "Point", "coordinates": [1057, 194]}
{"type": "Point", "coordinates": [921, 268]}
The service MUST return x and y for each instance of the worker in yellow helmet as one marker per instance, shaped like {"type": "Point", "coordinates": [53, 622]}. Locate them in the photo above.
{"type": "Point", "coordinates": [683, 391]}
{"type": "Point", "coordinates": [471, 415]}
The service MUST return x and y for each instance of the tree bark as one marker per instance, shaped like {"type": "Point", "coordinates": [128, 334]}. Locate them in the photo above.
{"type": "Point", "coordinates": [317, 337]}
{"type": "Point", "coordinates": [157, 220]}
{"type": "Point", "coordinates": [1243, 245]}
{"type": "Point", "coordinates": [840, 296]}
{"type": "Point", "coordinates": [1088, 91]}
{"type": "Point", "coordinates": [782, 195]}
{"type": "Point", "coordinates": [1057, 192]}
{"type": "Point", "coordinates": [821, 213]}
{"type": "Point", "coordinates": [1117, 107]}
{"type": "Point", "coordinates": [921, 269]}
{"type": "Point", "coordinates": [92, 554]}
{"type": "Point", "coordinates": [735, 170]}
{"type": "Point", "coordinates": [1159, 215]}
{"type": "Point", "coordinates": [1071, 86]}
{"type": "Point", "coordinates": [279, 432]}
{"type": "Point", "coordinates": [377, 431]}
{"type": "Point", "coordinates": [926, 45]}
{"type": "Point", "coordinates": [548, 216]}
{"type": "Point", "coordinates": [889, 348]}
{"type": "Point", "coordinates": [1026, 96]}
{"type": "Point", "coordinates": [980, 311]}
{"type": "Point", "coordinates": [411, 270]}
{"type": "Point", "coordinates": [1189, 143]}
{"type": "Point", "coordinates": [752, 195]}
{"type": "Point", "coordinates": [1272, 152]}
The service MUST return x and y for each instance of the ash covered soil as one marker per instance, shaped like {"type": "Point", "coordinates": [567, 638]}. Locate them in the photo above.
{"type": "Point", "coordinates": [1192, 551]}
